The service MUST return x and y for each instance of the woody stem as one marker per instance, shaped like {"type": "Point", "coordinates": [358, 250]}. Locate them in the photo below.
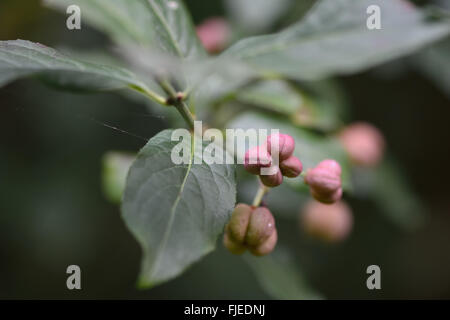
{"type": "Point", "coordinates": [176, 99]}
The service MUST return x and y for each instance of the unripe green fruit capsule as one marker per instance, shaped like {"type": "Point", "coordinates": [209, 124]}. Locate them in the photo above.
{"type": "Point", "coordinates": [238, 224]}
{"type": "Point", "coordinates": [232, 246]}
{"type": "Point", "coordinates": [267, 247]}
{"type": "Point", "coordinates": [260, 227]}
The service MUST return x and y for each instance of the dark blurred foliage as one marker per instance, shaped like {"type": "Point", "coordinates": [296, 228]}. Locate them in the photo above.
{"type": "Point", "coordinates": [53, 212]}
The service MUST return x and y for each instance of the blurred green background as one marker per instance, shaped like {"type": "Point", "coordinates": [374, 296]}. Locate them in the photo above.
{"type": "Point", "coordinates": [53, 212]}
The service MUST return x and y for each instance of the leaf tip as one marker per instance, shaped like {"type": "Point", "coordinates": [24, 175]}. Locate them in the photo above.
{"type": "Point", "coordinates": [143, 283]}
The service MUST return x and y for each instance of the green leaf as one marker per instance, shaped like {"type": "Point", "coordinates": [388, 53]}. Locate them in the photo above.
{"type": "Point", "coordinates": [164, 25]}
{"type": "Point", "coordinates": [115, 170]}
{"type": "Point", "coordinates": [280, 277]}
{"type": "Point", "coordinates": [274, 95]}
{"type": "Point", "coordinates": [216, 78]}
{"type": "Point", "coordinates": [333, 38]}
{"type": "Point", "coordinates": [317, 107]}
{"type": "Point", "coordinates": [330, 103]}
{"type": "Point", "coordinates": [20, 58]}
{"type": "Point", "coordinates": [310, 148]}
{"type": "Point", "coordinates": [176, 212]}
{"type": "Point", "coordinates": [256, 15]}
{"type": "Point", "coordinates": [434, 62]}
{"type": "Point", "coordinates": [298, 10]}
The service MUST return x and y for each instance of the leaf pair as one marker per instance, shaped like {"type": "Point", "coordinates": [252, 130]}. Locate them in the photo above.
{"type": "Point", "coordinates": [332, 39]}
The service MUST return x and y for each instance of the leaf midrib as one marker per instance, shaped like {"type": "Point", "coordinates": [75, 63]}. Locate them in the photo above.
{"type": "Point", "coordinates": [270, 48]}
{"type": "Point", "coordinates": [173, 209]}
{"type": "Point", "coordinates": [76, 66]}
{"type": "Point", "coordinates": [164, 23]}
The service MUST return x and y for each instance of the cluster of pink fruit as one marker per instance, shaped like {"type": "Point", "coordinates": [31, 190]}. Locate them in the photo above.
{"type": "Point", "coordinates": [262, 156]}
{"type": "Point", "coordinates": [327, 217]}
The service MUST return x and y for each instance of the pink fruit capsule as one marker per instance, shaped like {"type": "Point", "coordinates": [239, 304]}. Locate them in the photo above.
{"type": "Point", "coordinates": [325, 181]}
{"type": "Point", "coordinates": [214, 34]}
{"type": "Point", "coordinates": [330, 223]}
{"type": "Point", "coordinates": [291, 167]}
{"type": "Point", "coordinates": [272, 180]}
{"type": "Point", "coordinates": [364, 144]}
{"type": "Point", "coordinates": [327, 198]}
{"type": "Point", "coordinates": [282, 144]}
{"type": "Point", "coordinates": [257, 158]}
